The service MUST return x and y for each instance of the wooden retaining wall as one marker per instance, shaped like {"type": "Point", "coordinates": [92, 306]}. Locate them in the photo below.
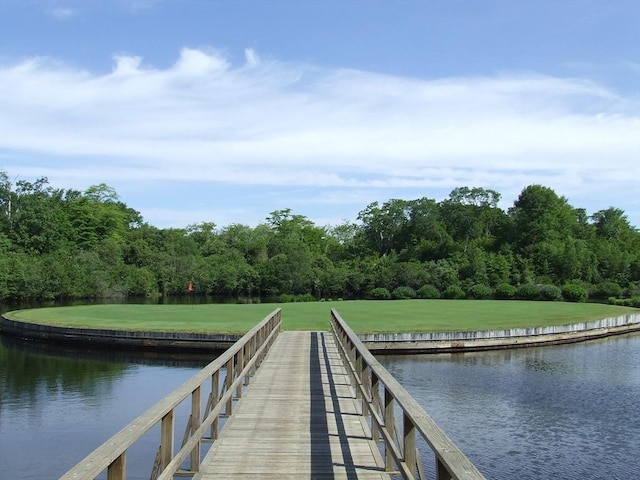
{"type": "Point", "coordinates": [445, 342]}
{"type": "Point", "coordinates": [427, 342]}
{"type": "Point", "coordinates": [103, 338]}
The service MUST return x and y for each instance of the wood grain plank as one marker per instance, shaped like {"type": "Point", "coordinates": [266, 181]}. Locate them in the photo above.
{"type": "Point", "coordinates": [298, 419]}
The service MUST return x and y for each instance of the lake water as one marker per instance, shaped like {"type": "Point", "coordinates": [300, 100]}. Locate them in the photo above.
{"type": "Point", "coordinates": [569, 412]}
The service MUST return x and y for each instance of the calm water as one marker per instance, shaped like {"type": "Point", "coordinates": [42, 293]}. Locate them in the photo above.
{"type": "Point", "coordinates": [568, 412]}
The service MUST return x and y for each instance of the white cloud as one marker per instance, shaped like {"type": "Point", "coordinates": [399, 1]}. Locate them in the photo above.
{"type": "Point", "coordinates": [271, 123]}
{"type": "Point", "coordinates": [63, 13]}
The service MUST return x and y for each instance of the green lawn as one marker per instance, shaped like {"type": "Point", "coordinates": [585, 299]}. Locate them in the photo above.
{"type": "Point", "coordinates": [362, 316]}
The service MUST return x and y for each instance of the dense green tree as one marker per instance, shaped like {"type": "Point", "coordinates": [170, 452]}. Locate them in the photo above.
{"type": "Point", "coordinates": [72, 244]}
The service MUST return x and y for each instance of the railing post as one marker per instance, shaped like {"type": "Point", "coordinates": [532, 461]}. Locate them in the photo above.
{"type": "Point", "coordinates": [358, 373]}
{"type": "Point", "coordinates": [117, 470]}
{"type": "Point", "coordinates": [389, 422]}
{"type": "Point", "coordinates": [215, 394]}
{"type": "Point", "coordinates": [375, 404]}
{"type": "Point", "coordinates": [239, 367]}
{"type": "Point", "coordinates": [166, 439]}
{"type": "Point", "coordinates": [409, 443]}
{"type": "Point", "coordinates": [228, 382]}
{"type": "Point", "coordinates": [195, 423]}
{"type": "Point", "coordinates": [441, 471]}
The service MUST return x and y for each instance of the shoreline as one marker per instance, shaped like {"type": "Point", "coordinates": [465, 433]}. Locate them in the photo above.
{"type": "Point", "coordinates": [380, 343]}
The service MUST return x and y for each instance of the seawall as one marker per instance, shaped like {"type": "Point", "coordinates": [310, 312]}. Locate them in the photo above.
{"type": "Point", "coordinates": [447, 342]}
{"type": "Point", "coordinates": [428, 342]}
{"type": "Point", "coordinates": [116, 339]}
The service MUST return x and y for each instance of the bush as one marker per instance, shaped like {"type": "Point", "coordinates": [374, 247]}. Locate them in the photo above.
{"type": "Point", "coordinates": [286, 298]}
{"type": "Point", "coordinates": [574, 293]}
{"type": "Point", "coordinates": [550, 293]}
{"type": "Point", "coordinates": [289, 298]}
{"type": "Point", "coordinates": [402, 293]}
{"type": "Point", "coordinates": [428, 291]}
{"type": "Point", "coordinates": [479, 291]}
{"type": "Point", "coordinates": [607, 290]}
{"type": "Point", "coordinates": [453, 292]}
{"type": "Point", "coordinates": [380, 293]}
{"type": "Point", "coordinates": [504, 291]}
{"type": "Point", "coordinates": [529, 291]}
{"type": "Point", "coordinates": [625, 302]}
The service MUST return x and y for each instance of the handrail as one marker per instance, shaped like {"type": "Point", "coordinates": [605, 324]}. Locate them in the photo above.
{"type": "Point", "coordinates": [369, 378]}
{"type": "Point", "coordinates": [240, 362]}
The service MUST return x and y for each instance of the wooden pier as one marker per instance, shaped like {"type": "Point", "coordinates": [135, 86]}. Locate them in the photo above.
{"type": "Point", "coordinates": [288, 405]}
{"type": "Point", "coordinates": [299, 419]}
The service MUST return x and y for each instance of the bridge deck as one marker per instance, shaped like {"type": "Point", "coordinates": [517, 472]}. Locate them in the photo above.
{"type": "Point", "coordinates": [297, 420]}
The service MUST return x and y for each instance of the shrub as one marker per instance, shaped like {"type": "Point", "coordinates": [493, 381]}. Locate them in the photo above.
{"type": "Point", "coordinates": [606, 290]}
{"type": "Point", "coordinates": [380, 293]}
{"type": "Point", "coordinates": [286, 298]}
{"type": "Point", "coordinates": [305, 297]}
{"type": "Point", "coordinates": [504, 291]}
{"type": "Point", "coordinates": [453, 292]}
{"type": "Point", "coordinates": [574, 293]}
{"type": "Point", "coordinates": [479, 291]}
{"type": "Point", "coordinates": [550, 293]}
{"type": "Point", "coordinates": [528, 291]}
{"type": "Point", "coordinates": [428, 291]}
{"type": "Point", "coordinates": [402, 293]}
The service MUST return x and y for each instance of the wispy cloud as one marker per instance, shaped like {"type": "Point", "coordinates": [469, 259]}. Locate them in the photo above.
{"type": "Point", "coordinates": [63, 13]}
{"type": "Point", "coordinates": [271, 123]}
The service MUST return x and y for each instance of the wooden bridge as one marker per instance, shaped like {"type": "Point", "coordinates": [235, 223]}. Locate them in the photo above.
{"type": "Point", "coordinates": [288, 405]}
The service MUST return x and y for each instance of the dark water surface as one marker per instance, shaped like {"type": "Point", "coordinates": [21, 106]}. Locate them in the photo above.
{"type": "Point", "coordinates": [569, 412]}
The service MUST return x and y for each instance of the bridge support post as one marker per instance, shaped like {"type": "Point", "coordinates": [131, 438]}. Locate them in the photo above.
{"type": "Point", "coordinates": [195, 419]}
{"type": "Point", "coordinates": [116, 471]}
{"type": "Point", "coordinates": [166, 439]}
{"type": "Point", "coordinates": [228, 382]}
{"type": "Point", "coordinates": [389, 422]}
{"type": "Point", "coordinates": [215, 396]}
{"type": "Point", "coordinates": [441, 471]}
{"type": "Point", "coordinates": [375, 403]}
{"type": "Point", "coordinates": [409, 444]}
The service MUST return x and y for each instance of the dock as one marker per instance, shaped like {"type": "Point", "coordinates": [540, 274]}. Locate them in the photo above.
{"type": "Point", "coordinates": [288, 405]}
{"type": "Point", "coordinates": [300, 419]}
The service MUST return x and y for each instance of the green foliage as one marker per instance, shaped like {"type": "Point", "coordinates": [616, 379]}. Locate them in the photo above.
{"type": "Point", "coordinates": [380, 293]}
{"type": "Point", "coordinates": [428, 292]}
{"type": "Point", "coordinates": [453, 292]}
{"type": "Point", "coordinates": [550, 293]}
{"type": "Point", "coordinates": [479, 292]}
{"type": "Point", "coordinates": [403, 293]}
{"type": "Point", "coordinates": [505, 291]}
{"type": "Point", "coordinates": [528, 291]}
{"type": "Point", "coordinates": [288, 298]}
{"type": "Point", "coordinates": [58, 244]}
{"type": "Point", "coordinates": [626, 302]}
{"type": "Point", "coordinates": [606, 290]}
{"type": "Point", "coordinates": [573, 292]}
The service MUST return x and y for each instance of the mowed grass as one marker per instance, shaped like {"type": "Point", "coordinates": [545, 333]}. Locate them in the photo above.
{"type": "Point", "coordinates": [363, 316]}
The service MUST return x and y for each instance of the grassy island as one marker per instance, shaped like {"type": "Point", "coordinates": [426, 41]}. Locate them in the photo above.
{"type": "Point", "coordinates": [399, 316]}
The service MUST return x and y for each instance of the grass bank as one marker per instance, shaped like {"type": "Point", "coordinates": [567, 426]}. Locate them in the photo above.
{"type": "Point", "coordinates": [401, 316]}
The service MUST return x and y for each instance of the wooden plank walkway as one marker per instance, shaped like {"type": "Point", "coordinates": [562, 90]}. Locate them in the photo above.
{"type": "Point", "coordinates": [297, 420]}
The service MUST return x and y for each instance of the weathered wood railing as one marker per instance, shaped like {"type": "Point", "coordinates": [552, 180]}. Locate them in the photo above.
{"type": "Point", "coordinates": [379, 392]}
{"type": "Point", "coordinates": [239, 362]}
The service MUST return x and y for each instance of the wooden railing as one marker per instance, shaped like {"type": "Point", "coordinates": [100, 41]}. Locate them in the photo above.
{"type": "Point", "coordinates": [379, 393]}
{"type": "Point", "coordinates": [238, 363]}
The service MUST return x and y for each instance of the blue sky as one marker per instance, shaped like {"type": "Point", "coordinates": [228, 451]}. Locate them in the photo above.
{"type": "Point", "coordinates": [224, 111]}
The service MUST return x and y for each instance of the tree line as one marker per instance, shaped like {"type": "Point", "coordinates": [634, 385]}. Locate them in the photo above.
{"type": "Point", "coordinates": [70, 244]}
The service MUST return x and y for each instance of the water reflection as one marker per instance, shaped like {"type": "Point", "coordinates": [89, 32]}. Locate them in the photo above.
{"type": "Point", "coordinates": [552, 412]}
{"type": "Point", "coordinates": [63, 404]}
